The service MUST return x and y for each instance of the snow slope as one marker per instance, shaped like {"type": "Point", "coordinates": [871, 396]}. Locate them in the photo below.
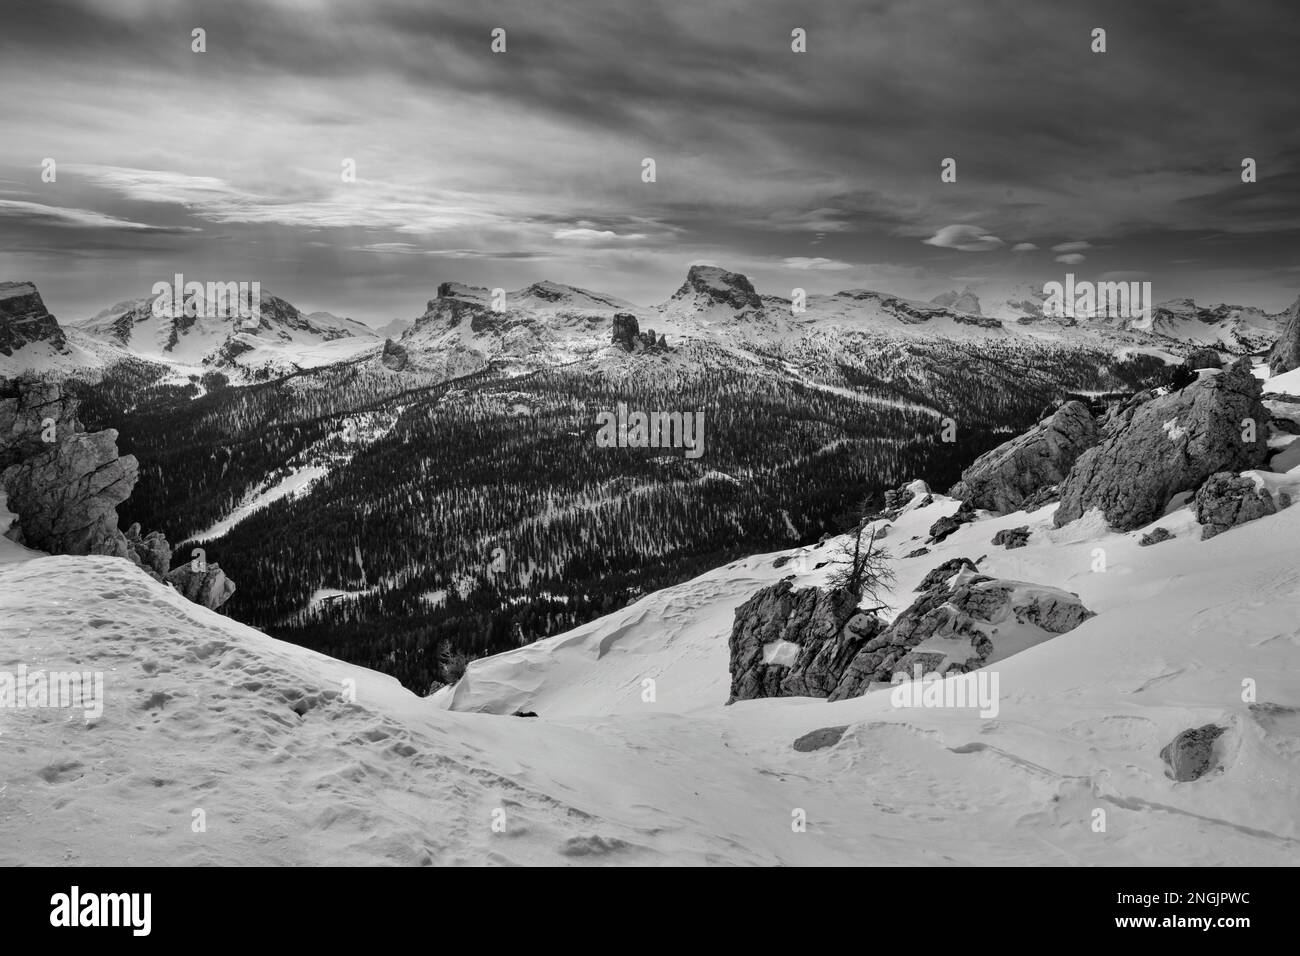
{"type": "Point", "coordinates": [206, 714]}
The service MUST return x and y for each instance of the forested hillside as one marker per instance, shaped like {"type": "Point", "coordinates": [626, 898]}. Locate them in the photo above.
{"type": "Point", "coordinates": [450, 520]}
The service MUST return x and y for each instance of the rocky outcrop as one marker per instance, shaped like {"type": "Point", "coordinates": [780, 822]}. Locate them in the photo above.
{"type": "Point", "coordinates": [1191, 755]}
{"type": "Point", "coordinates": [394, 356]}
{"type": "Point", "coordinates": [1001, 480]}
{"type": "Point", "coordinates": [713, 285]}
{"type": "Point", "coordinates": [945, 526]}
{"type": "Point", "coordinates": [151, 553]}
{"type": "Point", "coordinates": [788, 642]}
{"type": "Point", "coordinates": [1120, 414]}
{"type": "Point", "coordinates": [940, 575]}
{"type": "Point", "coordinates": [1227, 500]}
{"type": "Point", "coordinates": [1164, 445]}
{"type": "Point", "coordinates": [1012, 537]}
{"type": "Point", "coordinates": [24, 319]}
{"type": "Point", "coordinates": [627, 335]}
{"type": "Point", "coordinates": [63, 483]}
{"type": "Point", "coordinates": [1286, 351]}
{"type": "Point", "coordinates": [1156, 537]}
{"type": "Point", "coordinates": [814, 642]}
{"type": "Point", "coordinates": [208, 585]}
{"type": "Point", "coordinates": [1048, 494]}
{"type": "Point", "coordinates": [1203, 358]}
{"type": "Point", "coordinates": [954, 625]}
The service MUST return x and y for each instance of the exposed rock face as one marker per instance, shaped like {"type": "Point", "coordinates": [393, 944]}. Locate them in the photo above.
{"type": "Point", "coordinates": [1286, 351]}
{"type": "Point", "coordinates": [951, 628]}
{"type": "Point", "coordinates": [152, 553]}
{"type": "Point", "coordinates": [1203, 358]}
{"type": "Point", "coordinates": [66, 490]}
{"type": "Point", "coordinates": [795, 643]}
{"type": "Point", "coordinates": [65, 484]}
{"type": "Point", "coordinates": [1190, 755]}
{"type": "Point", "coordinates": [394, 356]}
{"type": "Point", "coordinates": [209, 587]}
{"type": "Point", "coordinates": [1002, 479]}
{"type": "Point", "coordinates": [1119, 415]}
{"type": "Point", "coordinates": [1227, 500]}
{"type": "Point", "coordinates": [1156, 536]}
{"type": "Point", "coordinates": [1162, 446]}
{"type": "Point", "coordinates": [943, 572]}
{"type": "Point", "coordinates": [895, 498]}
{"type": "Point", "coordinates": [24, 319]}
{"type": "Point", "coordinates": [627, 334]}
{"type": "Point", "coordinates": [1012, 537]}
{"type": "Point", "coordinates": [813, 642]}
{"type": "Point", "coordinates": [720, 286]}
{"type": "Point", "coordinates": [1048, 494]}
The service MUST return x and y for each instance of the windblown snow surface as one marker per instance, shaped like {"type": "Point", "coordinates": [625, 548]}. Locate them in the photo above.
{"type": "Point", "coordinates": [292, 763]}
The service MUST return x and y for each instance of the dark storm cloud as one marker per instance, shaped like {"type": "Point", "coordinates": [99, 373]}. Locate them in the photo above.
{"type": "Point", "coordinates": [765, 157]}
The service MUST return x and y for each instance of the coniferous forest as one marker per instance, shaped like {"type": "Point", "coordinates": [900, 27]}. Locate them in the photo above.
{"type": "Point", "coordinates": [449, 520]}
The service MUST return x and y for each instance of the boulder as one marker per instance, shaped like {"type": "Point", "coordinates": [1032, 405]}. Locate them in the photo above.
{"type": "Point", "coordinates": [1012, 537]}
{"type": "Point", "coordinates": [1002, 479]}
{"type": "Point", "coordinates": [788, 642]}
{"type": "Point", "coordinates": [1286, 351]}
{"type": "Point", "coordinates": [1227, 500]}
{"type": "Point", "coordinates": [209, 586]}
{"type": "Point", "coordinates": [955, 627]}
{"type": "Point", "coordinates": [820, 738]}
{"type": "Point", "coordinates": [947, 525]}
{"type": "Point", "coordinates": [1164, 445]}
{"type": "Point", "coordinates": [1191, 755]}
{"type": "Point", "coordinates": [1156, 536]}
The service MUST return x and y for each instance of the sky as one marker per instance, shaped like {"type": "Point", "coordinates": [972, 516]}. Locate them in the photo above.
{"type": "Point", "coordinates": [819, 169]}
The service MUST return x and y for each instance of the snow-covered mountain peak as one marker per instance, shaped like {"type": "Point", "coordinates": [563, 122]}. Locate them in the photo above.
{"type": "Point", "coordinates": [711, 285]}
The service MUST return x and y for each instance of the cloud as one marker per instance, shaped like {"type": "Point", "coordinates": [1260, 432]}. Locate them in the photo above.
{"type": "Point", "coordinates": [1071, 258]}
{"type": "Point", "coordinates": [1077, 246]}
{"type": "Point", "coordinates": [965, 238]}
{"type": "Point", "coordinates": [819, 264]}
{"type": "Point", "coordinates": [585, 234]}
{"type": "Point", "coordinates": [1023, 247]}
{"type": "Point", "coordinates": [68, 217]}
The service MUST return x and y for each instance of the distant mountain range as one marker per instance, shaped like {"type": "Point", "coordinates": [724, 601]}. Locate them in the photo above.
{"type": "Point", "coordinates": [464, 328]}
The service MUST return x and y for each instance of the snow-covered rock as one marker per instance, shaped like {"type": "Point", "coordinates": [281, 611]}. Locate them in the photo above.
{"type": "Point", "coordinates": [1002, 479]}
{"type": "Point", "coordinates": [1169, 444]}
